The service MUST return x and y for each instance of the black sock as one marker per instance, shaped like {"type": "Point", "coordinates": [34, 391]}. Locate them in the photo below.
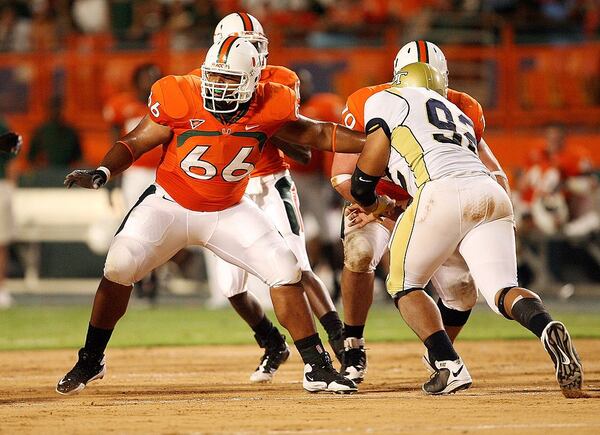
{"type": "Point", "coordinates": [264, 328]}
{"type": "Point", "coordinates": [97, 339]}
{"type": "Point", "coordinates": [356, 331]}
{"type": "Point", "coordinates": [332, 324]}
{"type": "Point", "coordinates": [531, 313]}
{"type": "Point", "coordinates": [440, 347]}
{"type": "Point", "coordinates": [310, 348]}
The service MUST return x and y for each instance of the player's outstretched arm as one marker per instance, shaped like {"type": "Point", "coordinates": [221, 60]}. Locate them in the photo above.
{"type": "Point", "coordinates": [369, 169]}
{"type": "Point", "coordinates": [325, 136]}
{"type": "Point", "coordinates": [491, 162]}
{"type": "Point", "coordinates": [299, 153]}
{"type": "Point", "coordinates": [146, 136]}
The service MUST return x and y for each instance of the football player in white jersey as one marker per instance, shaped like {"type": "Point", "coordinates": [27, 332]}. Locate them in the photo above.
{"type": "Point", "coordinates": [366, 238]}
{"type": "Point", "coordinates": [457, 208]}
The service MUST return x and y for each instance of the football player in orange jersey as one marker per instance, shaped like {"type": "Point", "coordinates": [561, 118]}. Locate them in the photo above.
{"type": "Point", "coordinates": [123, 112]}
{"type": "Point", "coordinates": [212, 130]}
{"type": "Point", "coordinates": [366, 238]}
{"type": "Point", "coordinates": [273, 190]}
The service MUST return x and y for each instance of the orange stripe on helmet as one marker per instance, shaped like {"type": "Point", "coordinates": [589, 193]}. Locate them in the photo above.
{"type": "Point", "coordinates": [248, 26]}
{"type": "Point", "coordinates": [422, 50]}
{"type": "Point", "coordinates": [225, 47]}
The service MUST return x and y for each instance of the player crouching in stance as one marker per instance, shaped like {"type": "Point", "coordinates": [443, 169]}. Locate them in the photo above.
{"type": "Point", "coordinates": [198, 198]}
{"type": "Point", "coordinates": [457, 207]}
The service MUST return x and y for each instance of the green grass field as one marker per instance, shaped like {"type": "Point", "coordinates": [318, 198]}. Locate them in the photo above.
{"type": "Point", "coordinates": [65, 327]}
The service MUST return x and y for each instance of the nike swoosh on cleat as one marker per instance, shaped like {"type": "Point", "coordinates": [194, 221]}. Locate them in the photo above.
{"type": "Point", "coordinates": [565, 359]}
{"type": "Point", "coordinates": [456, 373]}
{"type": "Point", "coordinates": [251, 127]}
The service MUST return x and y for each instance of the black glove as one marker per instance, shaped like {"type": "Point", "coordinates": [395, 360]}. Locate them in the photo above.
{"type": "Point", "coordinates": [10, 143]}
{"type": "Point", "coordinates": [88, 178]}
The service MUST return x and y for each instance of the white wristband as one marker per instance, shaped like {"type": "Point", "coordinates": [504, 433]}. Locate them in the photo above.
{"type": "Point", "coordinates": [105, 170]}
{"type": "Point", "coordinates": [500, 174]}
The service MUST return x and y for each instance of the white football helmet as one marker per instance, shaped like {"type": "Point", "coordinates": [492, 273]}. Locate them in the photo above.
{"type": "Point", "coordinates": [245, 26]}
{"type": "Point", "coordinates": [421, 51]}
{"type": "Point", "coordinates": [231, 57]}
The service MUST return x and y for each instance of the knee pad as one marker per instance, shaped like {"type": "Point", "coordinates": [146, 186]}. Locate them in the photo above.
{"type": "Point", "coordinates": [286, 274]}
{"type": "Point", "coordinates": [500, 303]}
{"type": "Point", "coordinates": [122, 262]}
{"type": "Point", "coordinates": [399, 295]}
{"type": "Point", "coordinates": [461, 298]}
{"type": "Point", "coordinates": [452, 316]}
{"type": "Point", "coordinates": [359, 253]}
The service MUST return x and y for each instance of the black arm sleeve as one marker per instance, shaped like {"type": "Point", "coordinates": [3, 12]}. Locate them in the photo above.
{"type": "Point", "coordinates": [362, 187]}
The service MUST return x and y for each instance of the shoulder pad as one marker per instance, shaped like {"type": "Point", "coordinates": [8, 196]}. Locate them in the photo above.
{"type": "Point", "coordinates": [277, 102]}
{"type": "Point", "coordinates": [279, 74]}
{"type": "Point", "coordinates": [174, 95]}
{"type": "Point", "coordinates": [471, 107]}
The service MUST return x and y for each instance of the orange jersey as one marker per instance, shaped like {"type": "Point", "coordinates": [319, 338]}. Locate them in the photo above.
{"type": "Point", "coordinates": [354, 117]}
{"type": "Point", "coordinates": [207, 162]}
{"type": "Point", "coordinates": [126, 111]}
{"type": "Point", "coordinates": [471, 107]}
{"type": "Point", "coordinates": [272, 160]}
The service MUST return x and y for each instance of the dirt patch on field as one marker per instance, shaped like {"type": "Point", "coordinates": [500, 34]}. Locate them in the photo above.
{"type": "Point", "coordinates": [205, 390]}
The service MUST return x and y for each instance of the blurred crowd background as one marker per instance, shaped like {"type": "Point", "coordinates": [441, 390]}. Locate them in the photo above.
{"type": "Point", "coordinates": [49, 24]}
{"type": "Point", "coordinates": [73, 73]}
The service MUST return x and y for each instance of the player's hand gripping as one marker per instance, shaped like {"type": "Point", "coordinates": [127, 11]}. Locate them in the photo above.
{"type": "Point", "coordinates": [383, 206]}
{"type": "Point", "coordinates": [11, 143]}
{"type": "Point", "coordinates": [358, 218]}
{"type": "Point", "coordinates": [88, 178]}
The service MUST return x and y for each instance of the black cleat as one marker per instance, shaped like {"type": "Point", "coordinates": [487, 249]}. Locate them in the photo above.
{"type": "Point", "coordinates": [275, 355]}
{"type": "Point", "coordinates": [569, 373]}
{"type": "Point", "coordinates": [88, 368]}
{"type": "Point", "coordinates": [354, 365]}
{"type": "Point", "coordinates": [321, 376]}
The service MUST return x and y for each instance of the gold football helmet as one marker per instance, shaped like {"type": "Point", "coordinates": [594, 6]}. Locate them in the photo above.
{"type": "Point", "coordinates": [421, 75]}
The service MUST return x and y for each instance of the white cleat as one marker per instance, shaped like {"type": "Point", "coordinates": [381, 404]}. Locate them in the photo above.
{"type": "Point", "coordinates": [428, 365]}
{"type": "Point", "coordinates": [322, 376]}
{"type": "Point", "coordinates": [450, 377]}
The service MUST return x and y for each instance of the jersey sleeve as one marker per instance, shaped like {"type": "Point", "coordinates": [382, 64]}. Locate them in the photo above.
{"type": "Point", "coordinates": [353, 113]}
{"type": "Point", "coordinates": [386, 110]}
{"type": "Point", "coordinates": [282, 104]}
{"type": "Point", "coordinates": [471, 107]}
{"type": "Point", "coordinates": [168, 102]}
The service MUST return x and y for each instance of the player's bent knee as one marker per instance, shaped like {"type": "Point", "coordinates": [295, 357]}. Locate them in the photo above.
{"type": "Point", "coordinates": [465, 303]}
{"type": "Point", "coordinates": [359, 253]}
{"type": "Point", "coordinates": [289, 275]}
{"type": "Point", "coordinates": [507, 297]}
{"type": "Point", "coordinates": [121, 264]}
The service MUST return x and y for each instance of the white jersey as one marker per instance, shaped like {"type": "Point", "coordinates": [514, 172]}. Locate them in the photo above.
{"type": "Point", "coordinates": [430, 137]}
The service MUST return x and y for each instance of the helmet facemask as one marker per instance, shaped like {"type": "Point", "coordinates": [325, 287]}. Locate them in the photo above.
{"type": "Point", "coordinates": [227, 95]}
